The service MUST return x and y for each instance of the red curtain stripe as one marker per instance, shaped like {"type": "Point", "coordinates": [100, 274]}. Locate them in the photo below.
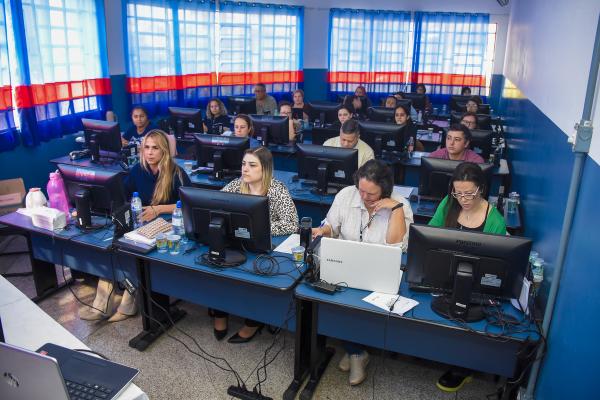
{"type": "Point", "coordinates": [5, 97]}
{"type": "Point", "coordinates": [401, 76]}
{"type": "Point", "coordinates": [40, 94]}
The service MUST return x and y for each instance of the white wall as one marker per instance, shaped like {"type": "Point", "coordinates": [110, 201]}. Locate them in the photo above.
{"type": "Point", "coordinates": [549, 50]}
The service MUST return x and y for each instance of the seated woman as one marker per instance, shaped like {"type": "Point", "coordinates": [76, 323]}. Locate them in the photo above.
{"type": "Point", "coordinates": [356, 107]}
{"type": "Point", "coordinates": [141, 125]}
{"type": "Point", "coordinates": [390, 102]}
{"type": "Point", "coordinates": [216, 121]}
{"type": "Point", "coordinates": [344, 114]}
{"type": "Point", "coordinates": [299, 105]}
{"type": "Point", "coordinates": [157, 179]}
{"type": "Point", "coordinates": [242, 127]}
{"type": "Point", "coordinates": [421, 89]}
{"type": "Point", "coordinates": [465, 208]}
{"type": "Point", "coordinates": [285, 110]}
{"type": "Point", "coordinates": [465, 91]}
{"type": "Point", "coordinates": [367, 212]}
{"type": "Point", "coordinates": [400, 96]}
{"type": "Point", "coordinates": [257, 179]}
{"type": "Point", "coordinates": [409, 130]}
{"type": "Point", "coordinates": [472, 106]}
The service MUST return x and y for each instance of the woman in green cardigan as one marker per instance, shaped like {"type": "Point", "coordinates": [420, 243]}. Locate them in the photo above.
{"type": "Point", "coordinates": [465, 208]}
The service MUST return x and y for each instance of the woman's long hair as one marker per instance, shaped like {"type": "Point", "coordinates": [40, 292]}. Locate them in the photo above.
{"type": "Point", "coordinates": [469, 172]}
{"type": "Point", "coordinates": [222, 109]}
{"type": "Point", "coordinates": [266, 162]}
{"type": "Point", "coordinates": [166, 167]}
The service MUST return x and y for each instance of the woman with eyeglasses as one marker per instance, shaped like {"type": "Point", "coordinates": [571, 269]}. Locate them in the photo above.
{"type": "Point", "coordinates": [465, 208]}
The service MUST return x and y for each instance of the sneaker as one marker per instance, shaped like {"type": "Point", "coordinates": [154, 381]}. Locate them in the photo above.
{"type": "Point", "coordinates": [453, 380]}
{"type": "Point", "coordinates": [344, 364]}
{"type": "Point", "coordinates": [358, 363]}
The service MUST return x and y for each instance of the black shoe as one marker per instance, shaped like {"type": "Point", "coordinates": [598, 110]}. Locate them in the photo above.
{"type": "Point", "coordinates": [238, 339]}
{"type": "Point", "coordinates": [219, 335]}
{"type": "Point", "coordinates": [453, 380]}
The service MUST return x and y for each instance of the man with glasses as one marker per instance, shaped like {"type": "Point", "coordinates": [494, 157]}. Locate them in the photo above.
{"type": "Point", "coordinates": [469, 120]}
{"type": "Point", "coordinates": [265, 104]}
{"type": "Point", "coordinates": [457, 146]}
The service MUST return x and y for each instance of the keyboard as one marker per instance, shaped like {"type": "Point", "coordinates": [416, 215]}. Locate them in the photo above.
{"type": "Point", "coordinates": [88, 391]}
{"type": "Point", "coordinates": [151, 229]}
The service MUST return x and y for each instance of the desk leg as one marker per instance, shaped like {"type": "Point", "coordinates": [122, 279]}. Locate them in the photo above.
{"type": "Point", "coordinates": [152, 306]}
{"type": "Point", "coordinates": [301, 348]}
{"type": "Point", "coordinates": [44, 276]}
{"type": "Point", "coordinates": [319, 354]}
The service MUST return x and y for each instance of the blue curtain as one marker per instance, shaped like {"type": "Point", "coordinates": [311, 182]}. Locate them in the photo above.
{"type": "Point", "coordinates": [8, 133]}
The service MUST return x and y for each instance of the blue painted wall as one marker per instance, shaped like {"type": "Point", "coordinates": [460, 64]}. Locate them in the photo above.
{"type": "Point", "coordinates": [120, 99]}
{"type": "Point", "coordinates": [315, 84]}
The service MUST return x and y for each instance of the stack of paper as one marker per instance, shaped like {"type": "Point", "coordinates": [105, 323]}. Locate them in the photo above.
{"type": "Point", "coordinates": [391, 302]}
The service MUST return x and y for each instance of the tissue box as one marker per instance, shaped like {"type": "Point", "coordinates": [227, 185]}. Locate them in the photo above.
{"type": "Point", "coordinates": [48, 218]}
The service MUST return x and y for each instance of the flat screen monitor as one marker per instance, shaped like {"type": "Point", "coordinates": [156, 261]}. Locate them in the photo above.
{"type": "Point", "coordinates": [436, 173]}
{"type": "Point", "coordinates": [419, 100]}
{"type": "Point", "coordinates": [185, 120]}
{"type": "Point", "coordinates": [481, 142]}
{"type": "Point", "coordinates": [271, 129]}
{"type": "Point", "coordinates": [320, 135]}
{"type": "Point", "coordinates": [226, 222]}
{"type": "Point", "coordinates": [404, 102]}
{"type": "Point", "coordinates": [223, 154]}
{"type": "Point", "coordinates": [242, 105]}
{"type": "Point", "coordinates": [381, 114]}
{"type": "Point", "coordinates": [484, 121]}
{"type": "Point", "coordinates": [323, 112]}
{"type": "Point", "coordinates": [331, 167]}
{"type": "Point", "coordinates": [382, 137]}
{"type": "Point", "coordinates": [466, 267]}
{"type": "Point", "coordinates": [458, 103]}
{"type": "Point", "coordinates": [102, 138]}
{"type": "Point", "coordinates": [93, 191]}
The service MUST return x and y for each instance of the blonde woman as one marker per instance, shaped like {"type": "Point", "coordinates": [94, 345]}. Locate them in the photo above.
{"type": "Point", "coordinates": [217, 121]}
{"type": "Point", "coordinates": [156, 178]}
{"type": "Point", "coordinates": [257, 179]}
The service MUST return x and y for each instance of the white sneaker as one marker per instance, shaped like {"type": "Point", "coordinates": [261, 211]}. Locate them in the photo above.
{"type": "Point", "coordinates": [358, 363]}
{"type": "Point", "coordinates": [344, 364]}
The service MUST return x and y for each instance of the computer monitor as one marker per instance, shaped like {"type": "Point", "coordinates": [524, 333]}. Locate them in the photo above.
{"type": "Point", "coordinates": [404, 102]}
{"type": "Point", "coordinates": [226, 222]}
{"type": "Point", "coordinates": [466, 267]}
{"type": "Point", "coordinates": [325, 112]}
{"type": "Point", "coordinates": [223, 154]}
{"type": "Point", "coordinates": [271, 129]}
{"type": "Point", "coordinates": [320, 135]}
{"type": "Point", "coordinates": [185, 120]}
{"type": "Point", "coordinates": [484, 121]}
{"type": "Point", "coordinates": [381, 114]}
{"type": "Point", "coordinates": [102, 138]}
{"type": "Point", "coordinates": [331, 167]}
{"type": "Point", "coordinates": [481, 142]}
{"type": "Point", "coordinates": [458, 103]}
{"type": "Point", "coordinates": [241, 105]}
{"type": "Point", "coordinates": [436, 173]}
{"type": "Point", "coordinates": [93, 191]}
{"type": "Point", "coordinates": [382, 136]}
{"type": "Point", "coordinates": [419, 100]}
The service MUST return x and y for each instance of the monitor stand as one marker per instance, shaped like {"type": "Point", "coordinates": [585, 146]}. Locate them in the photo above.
{"type": "Point", "coordinates": [218, 253]}
{"type": "Point", "coordinates": [322, 186]}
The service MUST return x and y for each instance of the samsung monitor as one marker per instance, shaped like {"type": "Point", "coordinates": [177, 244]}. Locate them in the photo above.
{"type": "Point", "coordinates": [323, 112]}
{"type": "Point", "coordinates": [102, 138]}
{"type": "Point", "coordinates": [242, 105]}
{"type": "Point", "coordinates": [382, 137]}
{"type": "Point", "coordinates": [381, 114]}
{"type": "Point", "coordinates": [419, 100]}
{"type": "Point", "coordinates": [466, 267]}
{"type": "Point", "coordinates": [223, 154]}
{"type": "Point", "coordinates": [93, 191]}
{"type": "Point", "coordinates": [320, 135]}
{"type": "Point", "coordinates": [269, 129]}
{"type": "Point", "coordinates": [331, 168]}
{"type": "Point", "coordinates": [185, 120]}
{"type": "Point", "coordinates": [436, 173]}
{"type": "Point", "coordinates": [227, 222]}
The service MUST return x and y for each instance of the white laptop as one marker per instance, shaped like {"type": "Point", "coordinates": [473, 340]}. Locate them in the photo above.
{"type": "Point", "coordinates": [366, 266]}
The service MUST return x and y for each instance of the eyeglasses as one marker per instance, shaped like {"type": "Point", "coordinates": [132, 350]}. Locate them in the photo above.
{"type": "Point", "coordinates": [465, 196]}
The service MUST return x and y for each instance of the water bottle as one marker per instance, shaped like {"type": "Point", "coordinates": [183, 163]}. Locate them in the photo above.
{"type": "Point", "coordinates": [419, 116]}
{"type": "Point", "coordinates": [538, 275]}
{"type": "Point", "coordinates": [35, 198]}
{"type": "Point", "coordinates": [177, 222]}
{"type": "Point", "coordinates": [136, 210]}
{"type": "Point", "coordinates": [56, 194]}
{"type": "Point", "coordinates": [410, 146]}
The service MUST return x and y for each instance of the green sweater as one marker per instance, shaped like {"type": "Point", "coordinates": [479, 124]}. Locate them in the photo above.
{"type": "Point", "coordinates": [493, 224]}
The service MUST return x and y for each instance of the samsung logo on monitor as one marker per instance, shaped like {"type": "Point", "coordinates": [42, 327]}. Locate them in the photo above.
{"type": "Point", "coordinates": [334, 260]}
{"type": "Point", "coordinates": [468, 243]}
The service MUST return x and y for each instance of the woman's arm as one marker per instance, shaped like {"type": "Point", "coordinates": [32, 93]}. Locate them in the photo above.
{"type": "Point", "coordinates": [396, 225]}
{"type": "Point", "coordinates": [285, 220]}
{"type": "Point", "coordinates": [151, 212]}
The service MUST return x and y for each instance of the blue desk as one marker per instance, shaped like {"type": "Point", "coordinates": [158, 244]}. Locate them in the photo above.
{"type": "Point", "coordinates": [420, 333]}
{"type": "Point", "coordinates": [239, 291]}
{"type": "Point", "coordinates": [86, 162]}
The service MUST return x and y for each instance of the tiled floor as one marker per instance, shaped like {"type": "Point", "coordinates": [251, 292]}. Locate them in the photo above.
{"type": "Point", "coordinates": [169, 371]}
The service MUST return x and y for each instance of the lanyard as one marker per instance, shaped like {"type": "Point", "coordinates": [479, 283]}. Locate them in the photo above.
{"type": "Point", "coordinates": [362, 229]}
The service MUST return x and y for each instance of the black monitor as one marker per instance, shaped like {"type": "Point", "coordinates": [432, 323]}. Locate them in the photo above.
{"type": "Point", "coordinates": [325, 112]}
{"type": "Point", "coordinates": [93, 191]}
{"type": "Point", "coordinates": [481, 142]}
{"type": "Point", "coordinates": [381, 114]}
{"type": "Point", "coordinates": [484, 109]}
{"type": "Point", "coordinates": [271, 129]}
{"type": "Point", "coordinates": [102, 138]}
{"type": "Point", "coordinates": [419, 100]}
{"type": "Point", "coordinates": [459, 103]}
{"type": "Point", "coordinates": [185, 120]}
{"type": "Point", "coordinates": [404, 102]}
{"type": "Point", "coordinates": [331, 167]}
{"type": "Point", "coordinates": [320, 135]}
{"type": "Point", "coordinates": [226, 222]}
{"type": "Point", "coordinates": [242, 105]}
{"type": "Point", "coordinates": [436, 174]}
{"type": "Point", "coordinates": [484, 121]}
{"type": "Point", "coordinates": [382, 136]}
{"type": "Point", "coordinates": [466, 267]}
{"type": "Point", "coordinates": [223, 154]}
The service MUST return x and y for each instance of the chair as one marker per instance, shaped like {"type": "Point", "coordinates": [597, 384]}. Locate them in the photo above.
{"type": "Point", "coordinates": [12, 196]}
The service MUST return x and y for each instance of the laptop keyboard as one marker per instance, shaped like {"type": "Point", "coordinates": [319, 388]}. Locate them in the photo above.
{"type": "Point", "coordinates": [88, 391]}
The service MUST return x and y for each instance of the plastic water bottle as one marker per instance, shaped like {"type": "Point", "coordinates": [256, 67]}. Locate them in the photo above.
{"type": "Point", "coordinates": [177, 222]}
{"type": "Point", "coordinates": [136, 210]}
{"type": "Point", "coordinates": [56, 193]}
{"type": "Point", "coordinates": [419, 116]}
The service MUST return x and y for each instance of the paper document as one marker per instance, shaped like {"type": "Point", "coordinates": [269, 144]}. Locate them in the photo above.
{"type": "Point", "coordinates": [288, 244]}
{"type": "Point", "coordinates": [136, 237]}
{"type": "Point", "coordinates": [404, 191]}
{"type": "Point", "coordinates": [399, 304]}
{"type": "Point", "coordinates": [26, 211]}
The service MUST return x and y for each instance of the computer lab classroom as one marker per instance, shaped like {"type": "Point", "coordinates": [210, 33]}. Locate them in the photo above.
{"type": "Point", "coordinates": [299, 199]}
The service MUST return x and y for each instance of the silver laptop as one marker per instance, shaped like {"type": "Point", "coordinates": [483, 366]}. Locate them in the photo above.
{"type": "Point", "coordinates": [366, 266]}
{"type": "Point", "coordinates": [63, 374]}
